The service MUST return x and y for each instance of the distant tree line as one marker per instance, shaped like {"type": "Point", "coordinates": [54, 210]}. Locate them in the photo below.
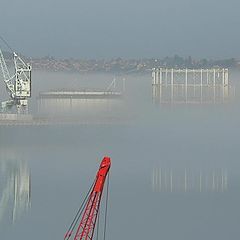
{"type": "Point", "coordinates": [120, 65]}
{"type": "Point", "coordinates": [188, 62]}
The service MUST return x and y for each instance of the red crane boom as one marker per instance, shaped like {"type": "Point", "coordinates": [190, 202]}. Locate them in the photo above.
{"type": "Point", "coordinates": [87, 224]}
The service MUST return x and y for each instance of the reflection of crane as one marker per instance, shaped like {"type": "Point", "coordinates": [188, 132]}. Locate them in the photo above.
{"type": "Point", "coordinates": [18, 86]}
{"type": "Point", "coordinates": [90, 206]}
{"type": "Point", "coordinates": [22, 192]}
{"type": "Point", "coordinates": [15, 180]}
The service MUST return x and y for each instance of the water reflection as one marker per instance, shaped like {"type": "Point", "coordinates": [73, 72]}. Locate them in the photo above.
{"type": "Point", "coordinates": [194, 94]}
{"type": "Point", "coordinates": [86, 107]}
{"type": "Point", "coordinates": [15, 188]}
{"type": "Point", "coordinates": [191, 86]}
{"type": "Point", "coordinates": [187, 180]}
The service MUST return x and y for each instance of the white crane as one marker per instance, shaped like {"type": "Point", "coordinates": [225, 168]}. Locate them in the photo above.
{"type": "Point", "coordinates": [18, 86]}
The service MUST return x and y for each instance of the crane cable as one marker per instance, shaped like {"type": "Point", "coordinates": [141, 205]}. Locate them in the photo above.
{"type": "Point", "coordinates": [6, 43]}
{"type": "Point", "coordinates": [79, 213]}
{"type": "Point", "coordinates": [105, 216]}
{"type": "Point", "coordinates": [106, 208]}
{"type": "Point", "coordinates": [82, 207]}
{"type": "Point", "coordinates": [9, 47]}
{"type": "Point", "coordinates": [98, 217]}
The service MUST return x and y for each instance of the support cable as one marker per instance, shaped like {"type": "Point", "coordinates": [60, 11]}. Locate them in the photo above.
{"type": "Point", "coordinates": [98, 216]}
{"type": "Point", "coordinates": [105, 220]}
{"type": "Point", "coordinates": [6, 43]}
{"type": "Point", "coordinates": [79, 213]}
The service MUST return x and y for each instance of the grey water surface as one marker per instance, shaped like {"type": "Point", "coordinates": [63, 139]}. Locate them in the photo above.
{"type": "Point", "coordinates": [175, 167]}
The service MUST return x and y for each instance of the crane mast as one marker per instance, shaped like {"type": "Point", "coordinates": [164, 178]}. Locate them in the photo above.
{"type": "Point", "coordinates": [6, 76]}
{"type": "Point", "coordinates": [85, 230]}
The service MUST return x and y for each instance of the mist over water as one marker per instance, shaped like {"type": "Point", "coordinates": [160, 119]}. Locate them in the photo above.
{"type": "Point", "coordinates": [184, 141]}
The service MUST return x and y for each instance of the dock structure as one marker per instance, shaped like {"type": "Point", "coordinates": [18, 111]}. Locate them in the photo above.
{"type": "Point", "coordinates": [190, 85]}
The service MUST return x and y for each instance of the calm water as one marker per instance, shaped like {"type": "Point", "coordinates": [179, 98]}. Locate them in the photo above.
{"type": "Point", "coordinates": [175, 167]}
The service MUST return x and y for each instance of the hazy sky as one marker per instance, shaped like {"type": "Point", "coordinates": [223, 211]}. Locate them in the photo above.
{"type": "Point", "coordinates": [126, 28]}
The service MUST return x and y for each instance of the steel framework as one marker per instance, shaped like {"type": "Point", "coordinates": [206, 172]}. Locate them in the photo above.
{"type": "Point", "coordinates": [190, 85]}
{"type": "Point", "coordinates": [85, 230]}
{"type": "Point", "coordinates": [18, 85]}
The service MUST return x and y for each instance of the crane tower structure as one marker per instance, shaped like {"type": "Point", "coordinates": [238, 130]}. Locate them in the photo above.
{"type": "Point", "coordinates": [18, 86]}
{"type": "Point", "coordinates": [89, 210]}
